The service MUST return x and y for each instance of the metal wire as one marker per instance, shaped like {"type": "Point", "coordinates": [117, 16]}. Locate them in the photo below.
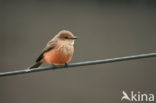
{"type": "Point", "coordinates": [79, 64]}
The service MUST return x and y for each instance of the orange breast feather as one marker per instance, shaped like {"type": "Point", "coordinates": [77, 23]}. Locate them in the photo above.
{"type": "Point", "coordinates": [57, 57]}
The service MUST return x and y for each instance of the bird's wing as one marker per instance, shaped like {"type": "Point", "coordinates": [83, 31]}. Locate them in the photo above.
{"type": "Point", "coordinates": [50, 45]}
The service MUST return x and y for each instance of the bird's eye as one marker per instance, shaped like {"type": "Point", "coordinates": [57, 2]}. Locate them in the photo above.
{"type": "Point", "coordinates": [66, 37]}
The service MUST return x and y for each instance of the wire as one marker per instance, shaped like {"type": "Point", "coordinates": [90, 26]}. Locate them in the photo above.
{"type": "Point", "coordinates": [79, 64]}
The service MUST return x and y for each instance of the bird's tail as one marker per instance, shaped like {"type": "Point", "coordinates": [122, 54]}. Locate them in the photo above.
{"type": "Point", "coordinates": [37, 64]}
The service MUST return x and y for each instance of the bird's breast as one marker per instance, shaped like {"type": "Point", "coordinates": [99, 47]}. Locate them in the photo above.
{"type": "Point", "coordinates": [60, 55]}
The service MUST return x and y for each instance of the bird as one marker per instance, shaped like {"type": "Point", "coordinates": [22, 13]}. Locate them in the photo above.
{"type": "Point", "coordinates": [58, 51]}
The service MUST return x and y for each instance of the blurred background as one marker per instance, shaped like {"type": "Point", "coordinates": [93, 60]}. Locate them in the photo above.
{"type": "Point", "coordinates": [107, 29]}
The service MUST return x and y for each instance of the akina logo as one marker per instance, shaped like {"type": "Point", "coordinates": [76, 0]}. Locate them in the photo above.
{"type": "Point", "coordinates": [137, 96]}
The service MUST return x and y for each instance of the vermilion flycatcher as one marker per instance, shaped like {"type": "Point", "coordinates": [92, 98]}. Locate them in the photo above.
{"type": "Point", "coordinates": [58, 51]}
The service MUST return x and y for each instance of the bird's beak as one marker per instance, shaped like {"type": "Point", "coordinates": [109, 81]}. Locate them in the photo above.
{"type": "Point", "coordinates": [75, 37]}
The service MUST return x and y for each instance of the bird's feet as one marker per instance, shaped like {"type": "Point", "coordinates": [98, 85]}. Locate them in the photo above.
{"type": "Point", "coordinates": [54, 66]}
{"type": "Point", "coordinates": [66, 65]}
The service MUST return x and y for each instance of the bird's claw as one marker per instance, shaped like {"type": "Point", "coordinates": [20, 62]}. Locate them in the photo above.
{"type": "Point", "coordinates": [66, 65]}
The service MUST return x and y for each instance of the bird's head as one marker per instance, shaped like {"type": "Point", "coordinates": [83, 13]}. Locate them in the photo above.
{"type": "Point", "coordinates": [66, 36]}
